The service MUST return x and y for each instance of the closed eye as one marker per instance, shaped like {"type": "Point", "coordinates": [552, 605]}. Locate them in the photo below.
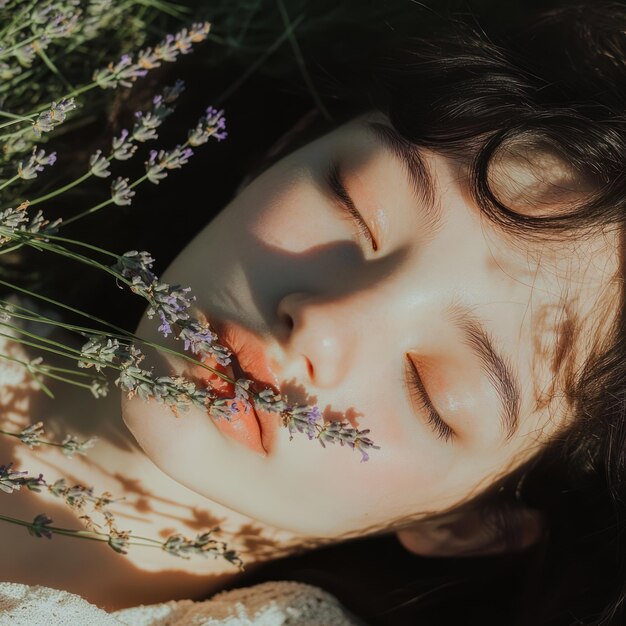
{"type": "Point", "coordinates": [335, 184]}
{"type": "Point", "coordinates": [421, 401]}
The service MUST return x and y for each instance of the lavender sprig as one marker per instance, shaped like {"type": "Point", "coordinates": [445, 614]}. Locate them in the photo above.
{"type": "Point", "coordinates": [124, 146]}
{"type": "Point", "coordinates": [171, 304]}
{"type": "Point", "coordinates": [31, 436]}
{"type": "Point", "coordinates": [126, 71]}
{"type": "Point", "coordinates": [35, 164]}
{"type": "Point", "coordinates": [77, 496]}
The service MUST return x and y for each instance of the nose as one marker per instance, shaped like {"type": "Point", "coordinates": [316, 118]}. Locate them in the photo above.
{"type": "Point", "coordinates": [316, 338]}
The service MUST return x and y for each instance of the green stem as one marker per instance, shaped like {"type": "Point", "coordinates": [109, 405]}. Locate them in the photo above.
{"type": "Point", "coordinates": [64, 379]}
{"type": "Point", "coordinates": [33, 336]}
{"type": "Point", "coordinates": [13, 116]}
{"type": "Point", "coordinates": [93, 209]}
{"type": "Point", "coordinates": [41, 367]}
{"type": "Point", "coordinates": [15, 247]}
{"type": "Point", "coordinates": [60, 190]}
{"type": "Point", "coordinates": [8, 182]}
{"type": "Point", "coordinates": [79, 534]}
{"type": "Point", "coordinates": [46, 349]}
{"type": "Point", "coordinates": [48, 443]}
{"type": "Point", "coordinates": [65, 306]}
{"type": "Point", "coordinates": [41, 245]}
{"type": "Point", "coordinates": [47, 320]}
{"type": "Point", "coordinates": [77, 243]}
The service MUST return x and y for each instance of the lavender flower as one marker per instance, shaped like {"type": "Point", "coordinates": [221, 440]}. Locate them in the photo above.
{"type": "Point", "coordinates": [96, 13]}
{"type": "Point", "coordinates": [199, 339]}
{"type": "Point", "coordinates": [121, 193]}
{"type": "Point", "coordinates": [71, 445]}
{"type": "Point", "coordinates": [10, 481]}
{"type": "Point", "coordinates": [119, 540]}
{"type": "Point", "coordinates": [31, 434]}
{"type": "Point", "coordinates": [171, 92]}
{"type": "Point", "coordinates": [241, 392]}
{"type": "Point", "coordinates": [121, 148]}
{"type": "Point", "coordinates": [166, 160]}
{"type": "Point", "coordinates": [170, 303]}
{"type": "Point", "coordinates": [99, 389]}
{"type": "Point", "coordinates": [14, 221]}
{"type": "Point", "coordinates": [99, 348]}
{"type": "Point", "coordinates": [211, 124]}
{"type": "Point", "coordinates": [144, 129]}
{"type": "Point", "coordinates": [134, 263]}
{"type": "Point", "coordinates": [25, 54]}
{"type": "Point", "coordinates": [203, 544]}
{"type": "Point", "coordinates": [54, 116]}
{"type": "Point", "coordinates": [99, 165]}
{"type": "Point", "coordinates": [36, 162]}
{"type": "Point", "coordinates": [174, 392]}
{"type": "Point", "coordinates": [34, 484]}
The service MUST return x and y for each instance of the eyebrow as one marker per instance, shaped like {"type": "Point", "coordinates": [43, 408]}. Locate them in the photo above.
{"type": "Point", "coordinates": [498, 367]}
{"type": "Point", "coordinates": [419, 177]}
{"type": "Point", "coordinates": [475, 336]}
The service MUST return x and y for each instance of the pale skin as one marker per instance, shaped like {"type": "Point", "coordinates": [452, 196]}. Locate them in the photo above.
{"type": "Point", "coordinates": [337, 321]}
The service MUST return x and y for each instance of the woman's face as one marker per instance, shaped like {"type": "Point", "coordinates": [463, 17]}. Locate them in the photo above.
{"type": "Point", "coordinates": [490, 324]}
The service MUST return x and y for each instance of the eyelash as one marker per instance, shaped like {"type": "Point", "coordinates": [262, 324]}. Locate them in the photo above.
{"type": "Point", "coordinates": [333, 180]}
{"type": "Point", "coordinates": [419, 396]}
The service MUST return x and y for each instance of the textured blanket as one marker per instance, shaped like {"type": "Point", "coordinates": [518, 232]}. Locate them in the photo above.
{"type": "Point", "coordinates": [274, 603]}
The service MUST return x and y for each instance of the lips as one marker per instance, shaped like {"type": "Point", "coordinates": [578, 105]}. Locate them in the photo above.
{"type": "Point", "coordinates": [254, 428]}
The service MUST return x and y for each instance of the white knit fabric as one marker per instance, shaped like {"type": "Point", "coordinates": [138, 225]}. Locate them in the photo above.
{"type": "Point", "coordinates": [274, 603]}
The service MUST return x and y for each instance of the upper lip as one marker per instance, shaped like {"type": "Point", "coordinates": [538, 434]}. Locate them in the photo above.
{"type": "Point", "coordinates": [249, 360]}
{"type": "Point", "coordinates": [248, 352]}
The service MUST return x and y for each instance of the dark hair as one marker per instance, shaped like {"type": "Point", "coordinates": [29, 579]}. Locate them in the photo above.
{"type": "Point", "coordinates": [554, 86]}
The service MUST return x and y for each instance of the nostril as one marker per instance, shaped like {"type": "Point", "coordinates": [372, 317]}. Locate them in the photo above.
{"type": "Point", "coordinates": [310, 369]}
{"type": "Point", "coordinates": [289, 321]}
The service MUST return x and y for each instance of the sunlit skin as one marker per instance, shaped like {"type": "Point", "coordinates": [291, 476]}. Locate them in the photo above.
{"type": "Point", "coordinates": [339, 322]}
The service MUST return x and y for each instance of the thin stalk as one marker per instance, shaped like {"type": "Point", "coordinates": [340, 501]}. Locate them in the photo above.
{"type": "Point", "coordinates": [8, 182]}
{"type": "Point", "coordinates": [81, 534]}
{"type": "Point", "coordinates": [80, 243]}
{"type": "Point", "coordinates": [64, 379]}
{"type": "Point", "coordinates": [14, 116]}
{"type": "Point", "coordinates": [60, 190]}
{"type": "Point", "coordinates": [65, 306]}
{"type": "Point", "coordinates": [85, 330]}
{"type": "Point", "coordinates": [41, 245]}
{"type": "Point", "coordinates": [93, 209]}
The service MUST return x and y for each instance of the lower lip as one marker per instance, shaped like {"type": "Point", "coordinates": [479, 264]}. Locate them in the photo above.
{"type": "Point", "coordinates": [244, 425]}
